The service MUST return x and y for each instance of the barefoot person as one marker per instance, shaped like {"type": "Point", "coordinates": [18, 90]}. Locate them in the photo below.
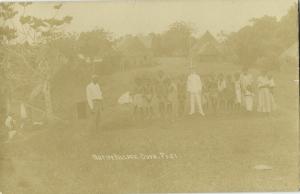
{"type": "Point", "coordinates": [229, 93]}
{"type": "Point", "coordinates": [271, 88]}
{"type": "Point", "coordinates": [138, 100]}
{"type": "Point", "coordinates": [172, 99]}
{"type": "Point", "coordinates": [94, 98]}
{"type": "Point", "coordinates": [213, 93]}
{"type": "Point", "coordinates": [194, 87]}
{"type": "Point", "coordinates": [161, 94]}
{"type": "Point", "coordinates": [238, 92]}
{"type": "Point", "coordinates": [181, 92]}
{"type": "Point", "coordinates": [148, 95]}
{"type": "Point", "coordinates": [222, 86]}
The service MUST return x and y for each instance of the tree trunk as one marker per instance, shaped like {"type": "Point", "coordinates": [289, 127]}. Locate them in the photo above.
{"type": "Point", "coordinates": [8, 98]}
{"type": "Point", "coordinates": [3, 107]}
{"type": "Point", "coordinates": [48, 100]}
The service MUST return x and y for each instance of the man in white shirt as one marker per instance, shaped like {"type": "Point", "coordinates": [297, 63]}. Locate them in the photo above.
{"type": "Point", "coordinates": [10, 124]}
{"type": "Point", "coordinates": [94, 98]}
{"type": "Point", "coordinates": [194, 87]}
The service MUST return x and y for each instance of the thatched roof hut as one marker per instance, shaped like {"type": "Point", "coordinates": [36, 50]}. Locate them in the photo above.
{"type": "Point", "coordinates": [133, 52]}
{"type": "Point", "coordinates": [206, 48]}
{"type": "Point", "coordinates": [289, 58]}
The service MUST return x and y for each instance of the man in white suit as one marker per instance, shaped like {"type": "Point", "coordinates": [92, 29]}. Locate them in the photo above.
{"type": "Point", "coordinates": [194, 87]}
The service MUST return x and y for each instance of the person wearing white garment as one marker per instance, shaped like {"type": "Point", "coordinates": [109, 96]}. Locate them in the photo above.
{"type": "Point", "coordinates": [194, 88]}
{"type": "Point", "coordinates": [94, 98]}
{"type": "Point", "coordinates": [23, 115]}
{"type": "Point", "coordinates": [247, 90]}
{"type": "Point", "coordinates": [271, 87]}
{"type": "Point", "coordinates": [265, 96]}
{"type": "Point", "coordinates": [238, 92]}
{"type": "Point", "coordinates": [10, 124]}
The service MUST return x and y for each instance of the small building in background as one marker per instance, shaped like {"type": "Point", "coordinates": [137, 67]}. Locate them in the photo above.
{"type": "Point", "coordinates": [289, 58]}
{"type": "Point", "coordinates": [134, 53]}
{"type": "Point", "coordinates": [206, 49]}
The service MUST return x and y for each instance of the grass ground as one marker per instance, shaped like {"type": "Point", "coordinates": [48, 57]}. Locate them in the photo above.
{"type": "Point", "coordinates": [214, 154]}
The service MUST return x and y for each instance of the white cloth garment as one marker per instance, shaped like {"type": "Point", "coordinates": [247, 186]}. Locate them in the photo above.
{"type": "Point", "coordinates": [271, 82]}
{"type": "Point", "coordinates": [125, 98]}
{"type": "Point", "coordinates": [248, 100]}
{"type": "Point", "coordinates": [194, 87]}
{"type": "Point", "coordinates": [93, 92]}
{"type": "Point", "coordinates": [9, 122]}
{"type": "Point", "coordinates": [247, 95]}
{"type": "Point", "coordinates": [272, 85]}
{"type": "Point", "coordinates": [238, 92]}
{"type": "Point", "coordinates": [246, 80]}
{"type": "Point", "coordinates": [265, 98]}
{"type": "Point", "coordinates": [221, 85]}
{"type": "Point", "coordinates": [23, 112]}
{"type": "Point", "coordinates": [195, 99]}
{"type": "Point", "coordinates": [194, 83]}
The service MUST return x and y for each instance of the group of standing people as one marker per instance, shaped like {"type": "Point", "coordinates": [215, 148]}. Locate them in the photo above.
{"type": "Point", "coordinates": [257, 92]}
{"type": "Point", "coordinates": [172, 97]}
{"type": "Point", "coordinates": [169, 97]}
{"type": "Point", "coordinates": [160, 96]}
{"type": "Point", "coordinates": [240, 92]}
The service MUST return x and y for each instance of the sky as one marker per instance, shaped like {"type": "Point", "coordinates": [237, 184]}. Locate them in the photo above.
{"type": "Point", "coordinates": [145, 16]}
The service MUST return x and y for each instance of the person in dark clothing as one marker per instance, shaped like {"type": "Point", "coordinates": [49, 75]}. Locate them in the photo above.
{"type": "Point", "coordinates": [181, 87]}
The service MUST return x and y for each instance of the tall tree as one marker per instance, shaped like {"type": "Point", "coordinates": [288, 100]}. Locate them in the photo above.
{"type": "Point", "coordinates": [287, 32]}
{"type": "Point", "coordinates": [177, 39]}
{"type": "Point", "coordinates": [261, 42]}
{"type": "Point", "coordinates": [95, 45]}
{"type": "Point", "coordinates": [7, 34]}
{"type": "Point", "coordinates": [39, 53]}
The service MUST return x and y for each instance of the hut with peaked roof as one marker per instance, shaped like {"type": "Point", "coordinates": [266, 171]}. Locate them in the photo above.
{"type": "Point", "coordinates": [290, 57]}
{"type": "Point", "coordinates": [206, 48]}
{"type": "Point", "coordinates": [133, 53]}
{"type": "Point", "coordinates": [207, 37]}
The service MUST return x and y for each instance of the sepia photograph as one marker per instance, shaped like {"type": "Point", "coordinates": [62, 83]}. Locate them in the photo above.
{"type": "Point", "coordinates": [140, 96]}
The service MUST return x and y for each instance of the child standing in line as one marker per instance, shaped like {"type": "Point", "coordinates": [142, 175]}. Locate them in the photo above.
{"type": "Point", "coordinates": [238, 92]}
{"type": "Point", "coordinates": [249, 98]}
{"type": "Point", "coordinates": [160, 91]}
{"type": "Point", "coordinates": [166, 96]}
{"type": "Point", "coordinates": [230, 93]}
{"type": "Point", "coordinates": [181, 92]}
{"type": "Point", "coordinates": [205, 93]}
{"type": "Point", "coordinates": [138, 100]}
{"type": "Point", "coordinates": [213, 93]}
{"type": "Point", "coordinates": [221, 89]}
{"type": "Point", "coordinates": [149, 94]}
{"type": "Point", "coordinates": [271, 88]}
{"type": "Point", "coordinates": [172, 99]}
